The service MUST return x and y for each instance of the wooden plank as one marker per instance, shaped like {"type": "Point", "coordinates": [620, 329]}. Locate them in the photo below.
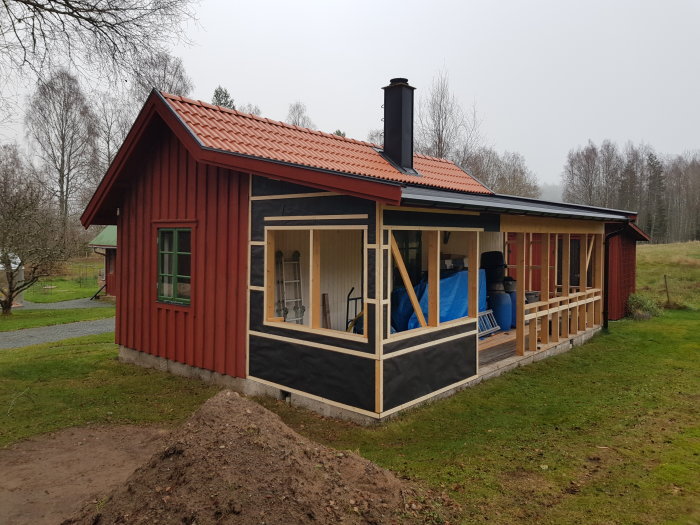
{"type": "Point", "coordinates": [582, 280]}
{"type": "Point", "coordinates": [598, 281]}
{"type": "Point", "coordinates": [473, 256]}
{"type": "Point", "coordinates": [315, 288]}
{"type": "Point", "coordinates": [270, 275]}
{"type": "Point", "coordinates": [532, 336]}
{"type": "Point", "coordinates": [544, 284]}
{"type": "Point", "coordinates": [521, 224]}
{"type": "Point", "coordinates": [433, 242]}
{"type": "Point", "coordinates": [378, 382]}
{"type": "Point", "coordinates": [398, 260]}
{"type": "Point", "coordinates": [565, 282]}
{"type": "Point", "coordinates": [325, 311]}
{"type": "Point", "coordinates": [520, 295]}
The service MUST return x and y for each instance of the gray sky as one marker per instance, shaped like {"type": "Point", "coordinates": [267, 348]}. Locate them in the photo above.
{"type": "Point", "coordinates": [545, 75]}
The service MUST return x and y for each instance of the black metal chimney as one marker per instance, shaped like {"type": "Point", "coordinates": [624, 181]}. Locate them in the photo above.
{"type": "Point", "coordinates": [398, 123]}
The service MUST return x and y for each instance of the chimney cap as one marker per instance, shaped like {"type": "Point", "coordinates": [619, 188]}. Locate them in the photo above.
{"type": "Point", "coordinates": [398, 81]}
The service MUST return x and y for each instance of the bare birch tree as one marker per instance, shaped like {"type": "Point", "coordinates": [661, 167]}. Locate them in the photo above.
{"type": "Point", "coordinates": [63, 130]}
{"type": "Point", "coordinates": [31, 243]}
{"type": "Point", "coordinates": [163, 72]}
{"type": "Point", "coordinates": [297, 116]}
{"type": "Point", "coordinates": [441, 122]}
{"type": "Point", "coordinates": [102, 34]}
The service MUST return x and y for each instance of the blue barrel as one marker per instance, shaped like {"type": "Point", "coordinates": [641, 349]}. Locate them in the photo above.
{"type": "Point", "coordinates": [514, 308]}
{"type": "Point", "coordinates": [502, 309]}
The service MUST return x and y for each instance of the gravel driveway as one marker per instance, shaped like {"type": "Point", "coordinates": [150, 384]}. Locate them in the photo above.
{"type": "Point", "coordinates": [49, 334]}
{"type": "Point", "coordinates": [64, 305]}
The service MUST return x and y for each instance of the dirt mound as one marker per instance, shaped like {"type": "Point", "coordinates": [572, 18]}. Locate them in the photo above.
{"type": "Point", "coordinates": [236, 462]}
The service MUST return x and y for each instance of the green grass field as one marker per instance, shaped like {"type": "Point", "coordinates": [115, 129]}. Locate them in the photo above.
{"type": "Point", "coordinates": [680, 262]}
{"type": "Point", "coordinates": [607, 433]}
{"type": "Point", "coordinates": [21, 319]}
{"type": "Point", "coordinates": [79, 381]}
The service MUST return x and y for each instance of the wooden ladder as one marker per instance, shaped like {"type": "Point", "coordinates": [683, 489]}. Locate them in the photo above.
{"type": "Point", "coordinates": [289, 300]}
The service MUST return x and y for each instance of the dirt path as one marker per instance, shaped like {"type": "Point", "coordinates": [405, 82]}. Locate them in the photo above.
{"type": "Point", "coordinates": [47, 479]}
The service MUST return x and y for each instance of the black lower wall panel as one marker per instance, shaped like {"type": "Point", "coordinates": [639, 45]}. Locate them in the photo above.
{"type": "Point", "coordinates": [413, 375]}
{"type": "Point", "coordinates": [339, 377]}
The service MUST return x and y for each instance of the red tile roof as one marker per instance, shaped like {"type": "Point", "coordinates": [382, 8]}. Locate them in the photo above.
{"type": "Point", "coordinates": [232, 131]}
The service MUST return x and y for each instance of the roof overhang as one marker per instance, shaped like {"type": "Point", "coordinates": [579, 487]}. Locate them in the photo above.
{"type": "Point", "coordinates": [509, 204]}
{"type": "Point", "coordinates": [102, 208]}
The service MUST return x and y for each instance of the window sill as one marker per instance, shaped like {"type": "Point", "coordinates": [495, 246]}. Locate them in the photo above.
{"type": "Point", "coordinates": [321, 331]}
{"type": "Point", "coordinates": [167, 305]}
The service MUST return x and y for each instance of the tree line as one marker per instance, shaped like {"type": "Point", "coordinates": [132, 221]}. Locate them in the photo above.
{"type": "Point", "coordinates": [663, 189]}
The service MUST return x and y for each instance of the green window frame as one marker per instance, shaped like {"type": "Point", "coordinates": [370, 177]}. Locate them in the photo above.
{"type": "Point", "coordinates": [174, 265]}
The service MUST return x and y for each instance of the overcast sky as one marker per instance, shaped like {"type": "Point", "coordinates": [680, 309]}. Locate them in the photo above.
{"type": "Point", "coordinates": [545, 76]}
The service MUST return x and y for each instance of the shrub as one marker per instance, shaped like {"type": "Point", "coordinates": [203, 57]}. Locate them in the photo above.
{"type": "Point", "coordinates": [642, 307]}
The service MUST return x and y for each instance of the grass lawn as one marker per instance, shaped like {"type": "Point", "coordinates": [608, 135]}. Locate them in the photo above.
{"type": "Point", "coordinates": [79, 381]}
{"type": "Point", "coordinates": [680, 262]}
{"type": "Point", "coordinates": [607, 433]}
{"type": "Point", "coordinates": [21, 319]}
{"type": "Point", "coordinates": [77, 279]}
{"type": "Point", "coordinates": [61, 289]}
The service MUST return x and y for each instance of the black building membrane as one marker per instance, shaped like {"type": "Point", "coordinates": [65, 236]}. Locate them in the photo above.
{"type": "Point", "coordinates": [339, 377]}
{"type": "Point", "coordinates": [413, 375]}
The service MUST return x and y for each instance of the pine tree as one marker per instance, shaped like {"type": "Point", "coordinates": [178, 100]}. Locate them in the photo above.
{"type": "Point", "coordinates": [222, 98]}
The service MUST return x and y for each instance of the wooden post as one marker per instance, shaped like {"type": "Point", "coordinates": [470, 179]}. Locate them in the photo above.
{"type": "Point", "coordinates": [583, 282]}
{"type": "Point", "coordinates": [315, 288]}
{"type": "Point", "coordinates": [270, 275]}
{"type": "Point", "coordinates": [598, 281]}
{"type": "Point", "coordinates": [520, 295]}
{"type": "Point", "coordinates": [433, 241]}
{"type": "Point", "coordinates": [398, 260]}
{"type": "Point", "coordinates": [544, 285]}
{"type": "Point", "coordinates": [565, 283]}
{"type": "Point", "coordinates": [473, 255]}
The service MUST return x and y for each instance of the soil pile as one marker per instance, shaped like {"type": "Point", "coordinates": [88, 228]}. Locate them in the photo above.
{"type": "Point", "coordinates": [236, 462]}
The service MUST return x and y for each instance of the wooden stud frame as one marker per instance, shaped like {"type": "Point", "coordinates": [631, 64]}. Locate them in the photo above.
{"type": "Point", "coordinates": [314, 311]}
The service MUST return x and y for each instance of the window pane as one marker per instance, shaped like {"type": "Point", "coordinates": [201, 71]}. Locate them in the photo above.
{"type": "Point", "coordinates": [183, 241]}
{"type": "Point", "coordinates": [183, 264]}
{"type": "Point", "coordinates": [183, 288]}
{"type": "Point", "coordinates": [166, 263]}
{"type": "Point", "coordinates": [166, 286]}
{"type": "Point", "coordinates": [166, 241]}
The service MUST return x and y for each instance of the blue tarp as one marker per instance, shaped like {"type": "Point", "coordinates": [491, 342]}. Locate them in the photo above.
{"type": "Point", "coordinates": [454, 292]}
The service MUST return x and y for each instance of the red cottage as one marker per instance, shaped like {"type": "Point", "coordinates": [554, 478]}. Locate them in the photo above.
{"type": "Point", "coordinates": [350, 278]}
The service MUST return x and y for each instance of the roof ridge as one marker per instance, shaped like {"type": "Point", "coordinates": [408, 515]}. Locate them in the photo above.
{"type": "Point", "coordinates": [236, 112]}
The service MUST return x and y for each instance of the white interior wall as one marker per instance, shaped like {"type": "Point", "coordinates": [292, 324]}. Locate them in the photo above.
{"type": "Point", "coordinates": [341, 270]}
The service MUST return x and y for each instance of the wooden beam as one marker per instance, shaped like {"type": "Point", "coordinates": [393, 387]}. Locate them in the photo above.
{"type": "Point", "coordinates": [590, 251]}
{"type": "Point", "coordinates": [315, 288]}
{"type": "Point", "coordinates": [433, 242]}
{"type": "Point", "coordinates": [582, 280]}
{"type": "Point", "coordinates": [598, 281]}
{"type": "Point", "coordinates": [398, 260]}
{"type": "Point", "coordinates": [520, 295]}
{"type": "Point", "coordinates": [565, 282]}
{"type": "Point", "coordinates": [520, 223]}
{"type": "Point", "coordinates": [270, 276]}
{"type": "Point", "coordinates": [473, 255]}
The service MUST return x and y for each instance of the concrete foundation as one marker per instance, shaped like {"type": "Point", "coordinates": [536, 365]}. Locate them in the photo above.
{"type": "Point", "coordinates": [251, 387]}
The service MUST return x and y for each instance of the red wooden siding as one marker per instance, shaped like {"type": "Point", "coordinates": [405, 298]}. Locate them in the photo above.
{"type": "Point", "coordinates": [110, 272]}
{"type": "Point", "coordinates": [169, 188]}
{"type": "Point", "coordinates": [622, 254]}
